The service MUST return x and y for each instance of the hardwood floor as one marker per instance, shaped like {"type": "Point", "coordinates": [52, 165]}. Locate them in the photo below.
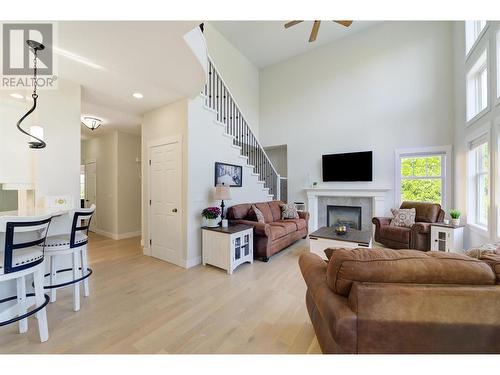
{"type": "Point", "coordinates": [139, 304]}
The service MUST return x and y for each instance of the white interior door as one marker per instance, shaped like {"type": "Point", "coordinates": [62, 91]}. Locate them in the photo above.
{"type": "Point", "coordinates": [91, 190]}
{"type": "Point", "coordinates": [165, 192]}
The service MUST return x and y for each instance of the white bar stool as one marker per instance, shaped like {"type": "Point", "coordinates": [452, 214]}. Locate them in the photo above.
{"type": "Point", "coordinates": [75, 244]}
{"type": "Point", "coordinates": [23, 255]}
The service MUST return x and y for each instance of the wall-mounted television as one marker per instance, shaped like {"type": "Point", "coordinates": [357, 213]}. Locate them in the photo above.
{"type": "Point", "coordinates": [353, 166]}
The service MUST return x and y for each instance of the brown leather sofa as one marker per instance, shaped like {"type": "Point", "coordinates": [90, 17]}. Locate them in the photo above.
{"type": "Point", "coordinates": [418, 237]}
{"type": "Point", "coordinates": [275, 234]}
{"type": "Point", "coordinates": [402, 301]}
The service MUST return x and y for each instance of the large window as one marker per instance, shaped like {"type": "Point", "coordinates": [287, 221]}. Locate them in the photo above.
{"type": "Point", "coordinates": [477, 87]}
{"type": "Point", "coordinates": [422, 178]}
{"type": "Point", "coordinates": [498, 64]}
{"type": "Point", "coordinates": [479, 182]}
{"type": "Point", "coordinates": [472, 31]}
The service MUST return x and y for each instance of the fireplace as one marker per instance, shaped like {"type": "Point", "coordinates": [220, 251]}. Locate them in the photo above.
{"type": "Point", "coordinates": [347, 215]}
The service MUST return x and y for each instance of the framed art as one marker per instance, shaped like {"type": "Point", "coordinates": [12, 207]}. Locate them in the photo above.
{"type": "Point", "coordinates": [228, 175]}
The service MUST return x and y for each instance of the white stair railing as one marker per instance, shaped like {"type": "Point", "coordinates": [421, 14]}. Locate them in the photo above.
{"type": "Point", "coordinates": [218, 97]}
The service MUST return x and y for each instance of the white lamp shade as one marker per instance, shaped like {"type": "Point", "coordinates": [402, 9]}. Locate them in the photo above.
{"type": "Point", "coordinates": [36, 131]}
{"type": "Point", "coordinates": [222, 193]}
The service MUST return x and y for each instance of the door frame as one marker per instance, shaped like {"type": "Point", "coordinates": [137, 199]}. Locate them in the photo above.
{"type": "Point", "coordinates": [93, 222]}
{"type": "Point", "coordinates": [155, 143]}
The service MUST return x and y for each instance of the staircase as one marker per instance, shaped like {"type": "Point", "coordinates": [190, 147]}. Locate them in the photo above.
{"type": "Point", "coordinates": [218, 98]}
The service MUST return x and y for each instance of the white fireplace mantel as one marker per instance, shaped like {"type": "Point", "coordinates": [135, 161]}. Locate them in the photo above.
{"type": "Point", "coordinates": [377, 194]}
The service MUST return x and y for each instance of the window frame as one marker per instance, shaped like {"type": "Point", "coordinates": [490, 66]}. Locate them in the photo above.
{"type": "Point", "coordinates": [497, 61]}
{"type": "Point", "coordinates": [478, 36]}
{"type": "Point", "coordinates": [446, 170]}
{"type": "Point", "coordinates": [476, 138]}
{"type": "Point", "coordinates": [473, 85]}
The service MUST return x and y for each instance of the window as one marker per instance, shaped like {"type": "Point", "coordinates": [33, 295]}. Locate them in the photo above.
{"type": "Point", "coordinates": [498, 64]}
{"type": "Point", "coordinates": [479, 182]}
{"type": "Point", "coordinates": [477, 87]}
{"type": "Point", "coordinates": [422, 177]}
{"type": "Point", "coordinates": [472, 31]}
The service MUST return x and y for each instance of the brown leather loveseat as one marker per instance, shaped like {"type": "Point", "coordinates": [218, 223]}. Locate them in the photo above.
{"type": "Point", "coordinates": [275, 234]}
{"type": "Point", "coordinates": [417, 237]}
{"type": "Point", "coordinates": [402, 301]}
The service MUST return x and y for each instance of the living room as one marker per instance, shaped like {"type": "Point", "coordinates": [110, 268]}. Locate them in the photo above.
{"type": "Point", "coordinates": [306, 186]}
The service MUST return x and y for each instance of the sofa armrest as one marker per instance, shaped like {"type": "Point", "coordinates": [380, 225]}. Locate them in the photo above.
{"type": "Point", "coordinates": [304, 215]}
{"type": "Point", "coordinates": [421, 228]}
{"type": "Point", "coordinates": [333, 308]}
{"type": "Point", "coordinates": [381, 221]}
{"type": "Point", "coordinates": [261, 229]}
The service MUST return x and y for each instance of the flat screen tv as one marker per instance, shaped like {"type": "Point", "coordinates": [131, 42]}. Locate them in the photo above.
{"type": "Point", "coordinates": [353, 166]}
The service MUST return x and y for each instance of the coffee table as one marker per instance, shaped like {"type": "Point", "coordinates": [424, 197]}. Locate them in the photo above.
{"type": "Point", "coordinates": [326, 237]}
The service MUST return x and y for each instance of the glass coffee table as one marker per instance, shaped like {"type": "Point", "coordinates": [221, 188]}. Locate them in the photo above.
{"type": "Point", "coordinates": [326, 237]}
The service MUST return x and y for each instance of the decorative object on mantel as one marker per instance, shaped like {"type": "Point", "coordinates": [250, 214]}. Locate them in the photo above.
{"type": "Point", "coordinates": [222, 193]}
{"type": "Point", "coordinates": [341, 229]}
{"type": "Point", "coordinates": [455, 217]}
{"type": "Point", "coordinates": [91, 122]}
{"type": "Point", "coordinates": [211, 215]}
{"type": "Point", "coordinates": [228, 174]}
{"type": "Point", "coordinates": [36, 132]}
{"type": "Point", "coordinates": [315, 184]}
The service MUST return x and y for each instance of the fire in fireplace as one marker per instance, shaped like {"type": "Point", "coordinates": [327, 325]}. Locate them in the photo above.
{"type": "Point", "coordinates": [346, 215]}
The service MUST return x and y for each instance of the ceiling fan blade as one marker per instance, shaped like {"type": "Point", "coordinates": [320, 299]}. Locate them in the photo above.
{"type": "Point", "coordinates": [291, 23]}
{"type": "Point", "coordinates": [344, 23]}
{"type": "Point", "coordinates": [314, 31]}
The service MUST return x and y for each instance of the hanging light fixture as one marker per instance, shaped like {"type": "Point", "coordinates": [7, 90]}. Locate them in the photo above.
{"type": "Point", "coordinates": [91, 122]}
{"type": "Point", "coordinates": [36, 132]}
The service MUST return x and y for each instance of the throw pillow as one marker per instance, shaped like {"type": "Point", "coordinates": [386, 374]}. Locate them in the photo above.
{"type": "Point", "coordinates": [289, 211]}
{"type": "Point", "coordinates": [403, 217]}
{"type": "Point", "coordinates": [258, 214]}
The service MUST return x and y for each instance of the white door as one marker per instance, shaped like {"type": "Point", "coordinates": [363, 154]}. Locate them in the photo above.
{"type": "Point", "coordinates": [165, 190]}
{"type": "Point", "coordinates": [91, 190]}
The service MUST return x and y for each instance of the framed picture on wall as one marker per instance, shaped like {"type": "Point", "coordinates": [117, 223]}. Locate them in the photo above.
{"type": "Point", "coordinates": [228, 175]}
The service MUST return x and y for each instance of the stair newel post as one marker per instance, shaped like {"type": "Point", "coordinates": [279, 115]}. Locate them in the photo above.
{"type": "Point", "coordinates": [278, 188]}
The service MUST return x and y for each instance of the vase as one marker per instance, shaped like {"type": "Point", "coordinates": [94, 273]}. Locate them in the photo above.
{"type": "Point", "coordinates": [212, 223]}
{"type": "Point", "coordinates": [455, 222]}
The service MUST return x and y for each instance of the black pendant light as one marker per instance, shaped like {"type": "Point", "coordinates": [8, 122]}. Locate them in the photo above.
{"type": "Point", "coordinates": [34, 142]}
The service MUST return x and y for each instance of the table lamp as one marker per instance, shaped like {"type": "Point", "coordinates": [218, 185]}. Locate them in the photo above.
{"type": "Point", "coordinates": [222, 193]}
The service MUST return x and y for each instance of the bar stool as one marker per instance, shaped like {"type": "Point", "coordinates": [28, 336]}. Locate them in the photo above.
{"type": "Point", "coordinates": [74, 244]}
{"type": "Point", "coordinates": [23, 255]}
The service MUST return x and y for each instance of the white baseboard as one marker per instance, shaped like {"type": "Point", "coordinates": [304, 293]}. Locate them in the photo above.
{"type": "Point", "coordinates": [116, 236]}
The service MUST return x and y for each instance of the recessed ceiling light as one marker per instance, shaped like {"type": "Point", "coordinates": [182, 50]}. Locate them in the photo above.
{"type": "Point", "coordinates": [17, 96]}
{"type": "Point", "coordinates": [137, 95]}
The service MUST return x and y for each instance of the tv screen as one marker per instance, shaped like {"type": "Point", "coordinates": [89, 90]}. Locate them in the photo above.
{"type": "Point", "coordinates": [353, 166]}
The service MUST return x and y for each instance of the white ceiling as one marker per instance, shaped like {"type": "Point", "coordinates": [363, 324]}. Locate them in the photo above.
{"type": "Point", "coordinates": [268, 42]}
{"type": "Point", "coordinates": [113, 59]}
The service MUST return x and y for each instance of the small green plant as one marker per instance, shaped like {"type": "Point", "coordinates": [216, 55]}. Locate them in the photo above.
{"type": "Point", "coordinates": [455, 214]}
{"type": "Point", "coordinates": [315, 184]}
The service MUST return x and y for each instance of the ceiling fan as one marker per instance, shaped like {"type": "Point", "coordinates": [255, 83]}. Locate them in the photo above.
{"type": "Point", "coordinates": [315, 28]}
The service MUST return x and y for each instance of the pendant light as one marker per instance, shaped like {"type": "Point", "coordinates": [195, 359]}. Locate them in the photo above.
{"type": "Point", "coordinates": [36, 132]}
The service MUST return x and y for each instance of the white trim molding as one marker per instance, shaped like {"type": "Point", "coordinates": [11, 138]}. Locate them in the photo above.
{"type": "Point", "coordinates": [446, 171]}
{"type": "Point", "coordinates": [378, 195]}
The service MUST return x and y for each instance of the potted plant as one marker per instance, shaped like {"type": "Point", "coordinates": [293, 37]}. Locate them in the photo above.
{"type": "Point", "coordinates": [455, 217]}
{"type": "Point", "coordinates": [211, 214]}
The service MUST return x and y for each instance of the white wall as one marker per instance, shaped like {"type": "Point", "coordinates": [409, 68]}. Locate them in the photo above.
{"type": "Point", "coordinates": [462, 132]}
{"type": "Point", "coordinates": [240, 75]}
{"type": "Point", "coordinates": [207, 145]}
{"type": "Point", "coordinates": [388, 87]}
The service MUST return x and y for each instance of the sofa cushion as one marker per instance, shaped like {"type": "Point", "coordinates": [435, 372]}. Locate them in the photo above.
{"type": "Point", "coordinates": [399, 234]}
{"type": "Point", "coordinates": [275, 207]}
{"type": "Point", "coordinates": [403, 217]}
{"type": "Point", "coordinates": [404, 266]}
{"type": "Point", "coordinates": [289, 211]}
{"type": "Point", "coordinates": [257, 214]}
{"type": "Point", "coordinates": [425, 212]}
{"type": "Point", "coordinates": [277, 231]}
{"type": "Point", "coordinates": [493, 260]}
{"type": "Point", "coordinates": [289, 226]}
{"type": "Point", "coordinates": [300, 223]}
{"type": "Point", "coordinates": [266, 211]}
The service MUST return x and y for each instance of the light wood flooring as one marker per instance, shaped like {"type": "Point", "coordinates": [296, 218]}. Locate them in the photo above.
{"type": "Point", "coordinates": [139, 304]}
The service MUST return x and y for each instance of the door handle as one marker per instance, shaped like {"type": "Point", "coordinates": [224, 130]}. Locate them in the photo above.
{"type": "Point", "coordinates": [174, 210]}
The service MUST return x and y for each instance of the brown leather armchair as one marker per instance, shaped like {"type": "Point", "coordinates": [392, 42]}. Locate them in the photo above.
{"type": "Point", "coordinates": [417, 237]}
{"type": "Point", "coordinates": [402, 301]}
